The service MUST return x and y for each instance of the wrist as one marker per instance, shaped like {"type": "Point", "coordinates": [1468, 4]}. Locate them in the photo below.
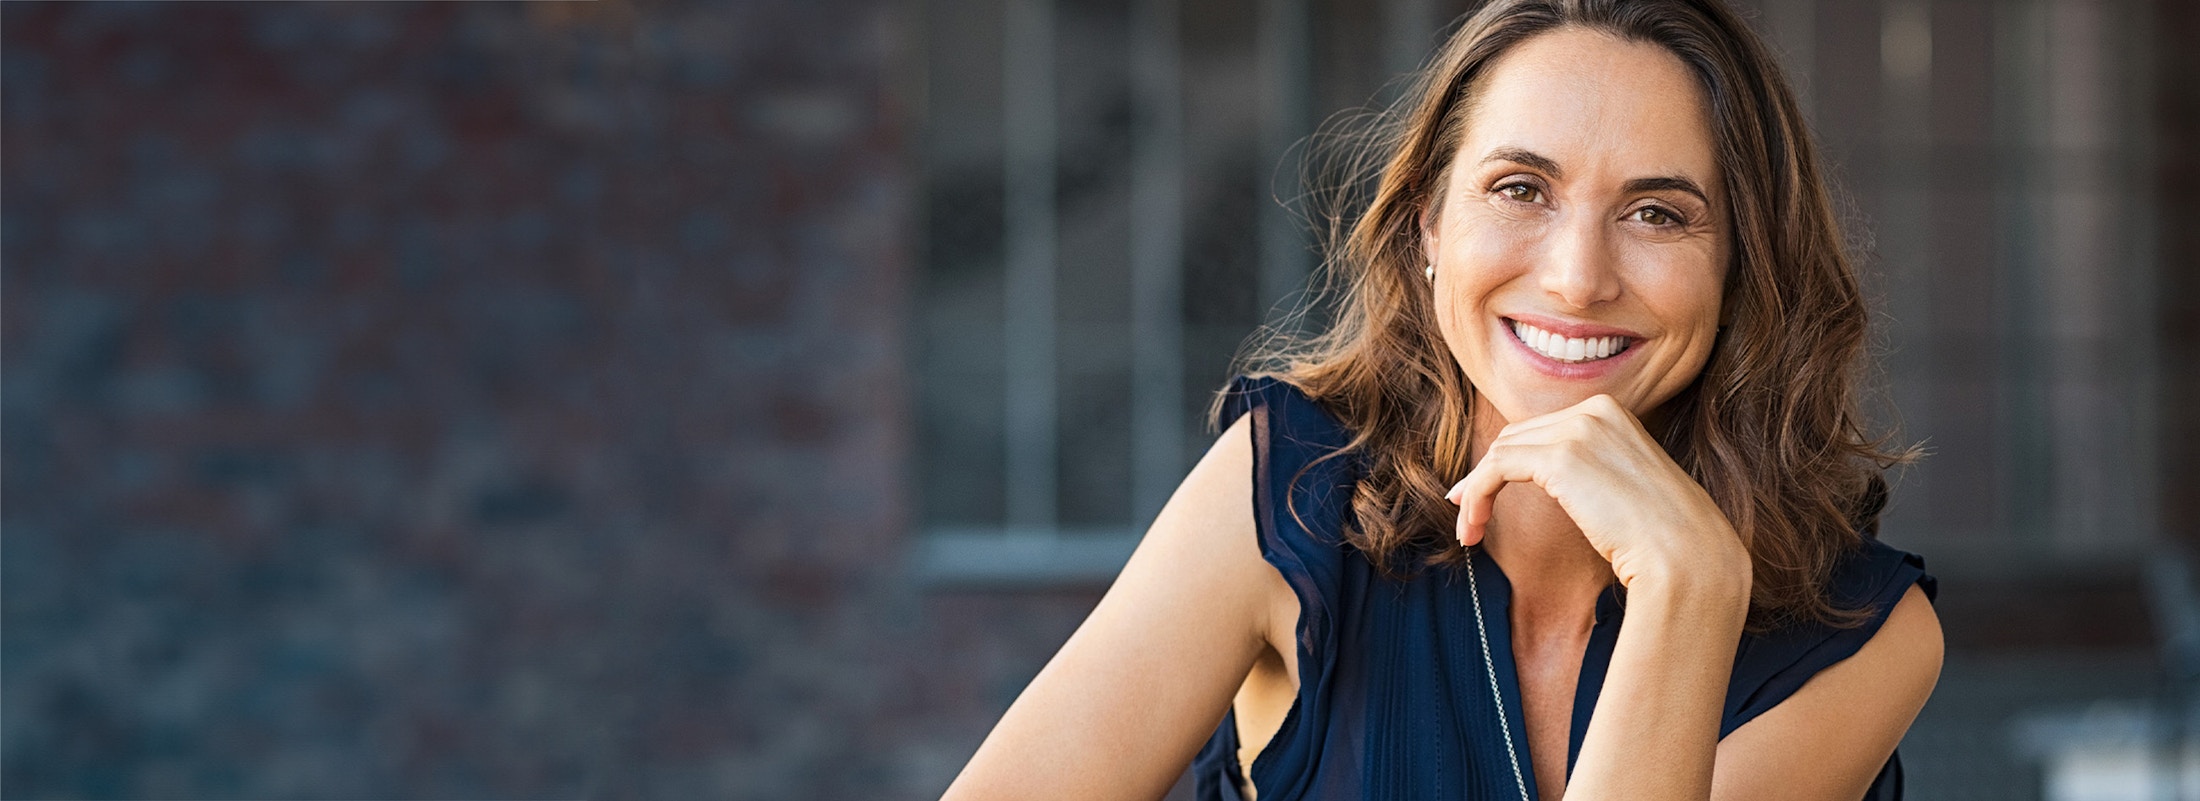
{"type": "Point", "coordinates": [1716, 599]}
{"type": "Point", "coordinates": [1717, 576]}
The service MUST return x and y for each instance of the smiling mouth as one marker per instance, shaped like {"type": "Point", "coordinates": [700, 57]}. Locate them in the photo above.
{"type": "Point", "coordinates": [1569, 350]}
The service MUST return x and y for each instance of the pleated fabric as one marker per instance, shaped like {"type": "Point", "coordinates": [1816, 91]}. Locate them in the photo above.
{"type": "Point", "coordinates": [1394, 699]}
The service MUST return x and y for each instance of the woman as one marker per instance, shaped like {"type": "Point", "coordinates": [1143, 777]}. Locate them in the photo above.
{"type": "Point", "coordinates": [1572, 501]}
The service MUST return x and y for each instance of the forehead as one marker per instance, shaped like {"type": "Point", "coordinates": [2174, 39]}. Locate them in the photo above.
{"type": "Point", "coordinates": [1596, 104]}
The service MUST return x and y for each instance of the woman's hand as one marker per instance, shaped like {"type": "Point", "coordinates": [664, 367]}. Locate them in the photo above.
{"type": "Point", "coordinates": [1638, 508]}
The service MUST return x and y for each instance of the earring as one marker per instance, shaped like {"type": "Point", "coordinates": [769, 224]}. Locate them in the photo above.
{"type": "Point", "coordinates": [1430, 271]}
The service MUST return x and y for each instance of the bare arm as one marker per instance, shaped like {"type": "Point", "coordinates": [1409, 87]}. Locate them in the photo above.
{"type": "Point", "coordinates": [1122, 708]}
{"type": "Point", "coordinates": [1656, 725]}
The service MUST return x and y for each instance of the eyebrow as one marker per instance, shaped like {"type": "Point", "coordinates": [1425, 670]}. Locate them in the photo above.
{"type": "Point", "coordinates": [1525, 158]}
{"type": "Point", "coordinates": [1537, 161]}
{"type": "Point", "coordinates": [1667, 184]}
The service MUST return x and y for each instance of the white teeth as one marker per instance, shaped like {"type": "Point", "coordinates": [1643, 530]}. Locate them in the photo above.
{"type": "Point", "coordinates": [1567, 349]}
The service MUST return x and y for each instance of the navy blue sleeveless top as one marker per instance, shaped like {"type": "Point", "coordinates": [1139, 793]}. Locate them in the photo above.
{"type": "Point", "coordinates": [1393, 699]}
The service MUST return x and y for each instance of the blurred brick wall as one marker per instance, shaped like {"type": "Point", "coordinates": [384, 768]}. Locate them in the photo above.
{"type": "Point", "coordinates": [459, 400]}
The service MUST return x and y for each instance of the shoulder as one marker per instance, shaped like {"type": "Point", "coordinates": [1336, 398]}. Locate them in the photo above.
{"type": "Point", "coordinates": [1909, 648]}
{"type": "Point", "coordinates": [1896, 594]}
{"type": "Point", "coordinates": [1211, 513]}
{"type": "Point", "coordinates": [1139, 686]}
{"type": "Point", "coordinates": [1874, 579]}
{"type": "Point", "coordinates": [1303, 466]}
{"type": "Point", "coordinates": [1832, 738]}
{"type": "Point", "coordinates": [1899, 659]}
{"type": "Point", "coordinates": [1215, 499]}
{"type": "Point", "coordinates": [1827, 717]}
{"type": "Point", "coordinates": [1899, 646]}
{"type": "Point", "coordinates": [1876, 574]}
{"type": "Point", "coordinates": [1290, 494]}
{"type": "Point", "coordinates": [1207, 536]}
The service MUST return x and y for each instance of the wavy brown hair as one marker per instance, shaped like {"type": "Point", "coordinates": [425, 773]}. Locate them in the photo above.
{"type": "Point", "coordinates": [1771, 427]}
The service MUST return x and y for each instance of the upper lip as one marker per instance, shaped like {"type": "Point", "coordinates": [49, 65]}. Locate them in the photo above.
{"type": "Point", "coordinates": [1571, 329]}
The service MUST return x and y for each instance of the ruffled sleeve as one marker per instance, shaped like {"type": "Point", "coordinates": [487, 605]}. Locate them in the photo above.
{"type": "Point", "coordinates": [1302, 490]}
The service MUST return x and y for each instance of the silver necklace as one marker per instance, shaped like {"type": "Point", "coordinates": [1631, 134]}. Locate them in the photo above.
{"type": "Point", "coordinates": [1490, 665]}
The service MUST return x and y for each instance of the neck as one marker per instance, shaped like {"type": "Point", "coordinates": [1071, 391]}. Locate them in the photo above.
{"type": "Point", "coordinates": [1555, 574]}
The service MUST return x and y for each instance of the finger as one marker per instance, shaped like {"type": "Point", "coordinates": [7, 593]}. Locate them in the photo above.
{"type": "Point", "coordinates": [1477, 502]}
{"type": "Point", "coordinates": [1459, 529]}
{"type": "Point", "coordinates": [1477, 496]}
{"type": "Point", "coordinates": [1608, 408]}
{"type": "Point", "coordinates": [1570, 427]}
{"type": "Point", "coordinates": [1621, 435]}
{"type": "Point", "coordinates": [1539, 421]}
{"type": "Point", "coordinates": [1585, 410]}
{"type": "Point", "coordinates": [1601, 406]}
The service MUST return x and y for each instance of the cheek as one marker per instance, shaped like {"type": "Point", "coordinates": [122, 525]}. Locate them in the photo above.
{"type": "Point", "coordinates": [1681, 283]}
{"type": "Point", "coordinates": [1478, 256]}
{"type": "Point", "coordinates": [1685, 295]}
{"type": "Point", "coordinates": [1471, 267]}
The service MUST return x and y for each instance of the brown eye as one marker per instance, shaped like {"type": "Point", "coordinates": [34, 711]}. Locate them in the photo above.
{"type": "Point", "coordinates": [1521, 192]}
{"type": "Point", "coordinates": [1654, 216]}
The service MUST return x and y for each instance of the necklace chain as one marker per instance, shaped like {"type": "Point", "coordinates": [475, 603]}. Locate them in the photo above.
{"type": "Point", "coordinates": [1474, 589]}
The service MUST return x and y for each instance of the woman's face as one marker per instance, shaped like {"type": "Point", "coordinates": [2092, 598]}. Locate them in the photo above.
{"type": "Point", "coordinates": [1580, 243]}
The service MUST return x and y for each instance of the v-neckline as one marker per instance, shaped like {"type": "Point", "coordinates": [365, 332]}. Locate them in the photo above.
{"type": "Point", "coordinates": [1596, 658]}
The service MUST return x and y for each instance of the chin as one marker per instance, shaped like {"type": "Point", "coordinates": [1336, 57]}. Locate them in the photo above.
{"type": "Point", "coordinates": [1520, 400]}
{"type": "Point", "coordinates": [1523, 405]}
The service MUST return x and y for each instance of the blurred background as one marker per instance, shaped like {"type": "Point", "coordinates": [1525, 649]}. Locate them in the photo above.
{"type": "Point", "coordinates": [650, 400]}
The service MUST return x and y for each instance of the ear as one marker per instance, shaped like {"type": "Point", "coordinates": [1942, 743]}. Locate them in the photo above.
{"type": "Point", "coordinates": [1425, 221]}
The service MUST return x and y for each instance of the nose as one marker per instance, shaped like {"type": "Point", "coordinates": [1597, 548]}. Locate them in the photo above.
{"type": "Point", "coordinates": [1579, 267]}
